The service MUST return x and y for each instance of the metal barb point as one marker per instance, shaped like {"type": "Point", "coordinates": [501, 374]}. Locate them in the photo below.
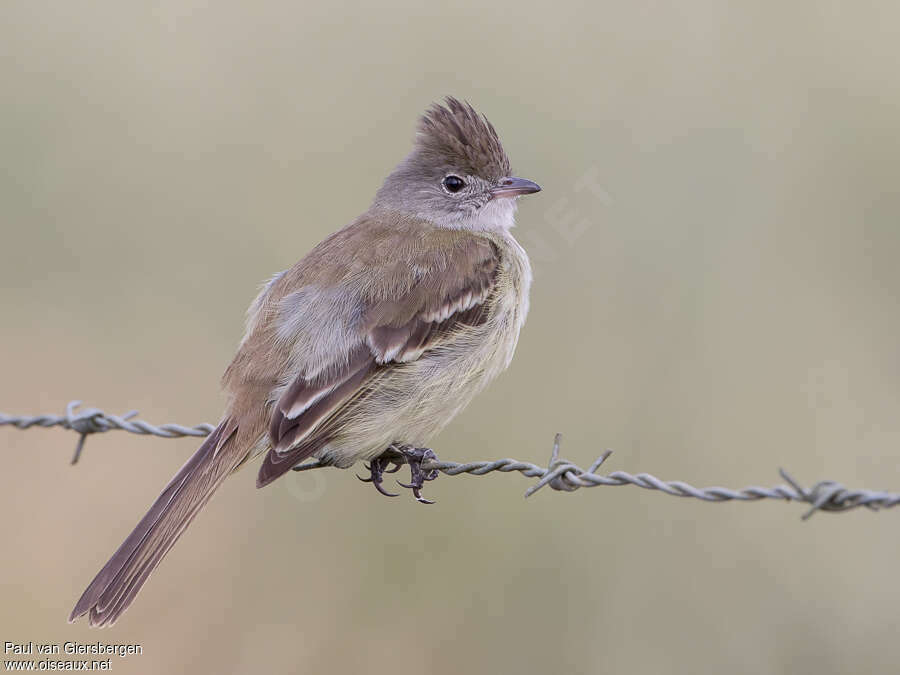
{"type": "Point", "coordinates": [86, 422]}
{"type": "Point", "coordinates": [599, 461]}
{"type": "Point", "coordinates": [556, 472]}
{"type": "Point", "coordinates": [826, 495]}
{"type": "Point", "coordinates": [78, 448]}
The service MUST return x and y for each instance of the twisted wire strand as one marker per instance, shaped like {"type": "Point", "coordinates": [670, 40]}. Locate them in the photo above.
{"type": "Point", "coordinates": [95, 421]}
{"type": "Point", "coordinates": [560, 474]}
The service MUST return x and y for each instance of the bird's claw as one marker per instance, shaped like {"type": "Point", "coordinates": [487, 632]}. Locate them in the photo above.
{"type": "Point", "coordinates": [377, 468]}
{"type": "Point", "coordinates": [397, 455]}
{"type": "Point", "coordinates": [369, 469]}
{"type": "Point", "coordinates": [416, 493]}
{"type": "Point", "coordinates": [385, 492]}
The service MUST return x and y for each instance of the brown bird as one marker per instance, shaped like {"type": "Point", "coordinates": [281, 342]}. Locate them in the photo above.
{"type": "Point", "coordinates": [368, 346]}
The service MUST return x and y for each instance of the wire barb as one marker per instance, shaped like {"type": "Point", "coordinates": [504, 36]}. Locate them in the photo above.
{"type": "Point", "coordinates": [559, 474]}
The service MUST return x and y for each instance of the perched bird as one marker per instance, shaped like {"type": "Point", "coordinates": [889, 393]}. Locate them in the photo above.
{"type": "Point", "coordinates": [368, 346]}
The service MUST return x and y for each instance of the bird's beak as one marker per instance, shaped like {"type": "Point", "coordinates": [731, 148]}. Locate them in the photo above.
{"type": "Point", "coordinates": [513, 187]}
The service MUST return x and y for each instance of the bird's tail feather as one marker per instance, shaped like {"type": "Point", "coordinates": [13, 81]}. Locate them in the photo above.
{"type": "Point", "coordinates": [116, 585]}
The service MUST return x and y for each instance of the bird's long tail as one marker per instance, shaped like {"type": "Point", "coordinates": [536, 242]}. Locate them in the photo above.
{"type": "Point", "coordinates": [116, 585]}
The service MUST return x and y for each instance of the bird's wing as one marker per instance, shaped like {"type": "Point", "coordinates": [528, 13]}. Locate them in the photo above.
{"type": "Point", "coordinates": [444, 293]}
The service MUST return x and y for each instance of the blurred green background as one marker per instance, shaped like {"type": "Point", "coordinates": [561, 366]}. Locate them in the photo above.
{"type": "Point", "coordinates": [716, 295]}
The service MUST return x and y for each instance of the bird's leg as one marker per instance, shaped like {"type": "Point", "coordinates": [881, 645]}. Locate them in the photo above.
{"type": "Point", "coordinates": [398, 454]}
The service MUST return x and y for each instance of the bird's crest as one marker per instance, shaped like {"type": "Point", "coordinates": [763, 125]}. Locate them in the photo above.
{"type": "Point", "coordinates": [456, 133]}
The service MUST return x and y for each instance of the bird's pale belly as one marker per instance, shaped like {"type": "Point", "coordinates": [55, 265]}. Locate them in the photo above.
{"type": "Point", "coordinates": [413, 402]}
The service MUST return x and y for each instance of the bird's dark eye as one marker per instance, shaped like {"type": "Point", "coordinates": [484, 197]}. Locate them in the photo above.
{"type": "Point", "coordinates": [454, 183]}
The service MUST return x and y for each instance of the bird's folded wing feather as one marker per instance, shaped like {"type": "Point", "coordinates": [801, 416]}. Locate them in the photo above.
{"type": "Point", "coordinates": [442, 294]}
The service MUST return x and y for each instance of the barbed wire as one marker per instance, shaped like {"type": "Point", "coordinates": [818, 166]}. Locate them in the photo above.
{"type": "Point", "coordinates": [560, 474]}
{"type": "Point", "coordinates": [95, 421]}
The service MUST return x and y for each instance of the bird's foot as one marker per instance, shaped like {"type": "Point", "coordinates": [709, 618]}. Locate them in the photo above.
{"type": "Point", "coordinates": [398, 455]}
{"type": "Point", "coordinates": [377, 468]}
{"type": "Point", "coordinates": [415, 458]}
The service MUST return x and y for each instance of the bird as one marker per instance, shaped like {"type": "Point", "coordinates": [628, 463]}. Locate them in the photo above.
{"type": "Point", "coordinates": [368, 346]}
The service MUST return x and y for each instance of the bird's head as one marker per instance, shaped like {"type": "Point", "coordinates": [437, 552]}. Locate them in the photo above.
{"type": "Point", "coordinates": [457, 175]}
